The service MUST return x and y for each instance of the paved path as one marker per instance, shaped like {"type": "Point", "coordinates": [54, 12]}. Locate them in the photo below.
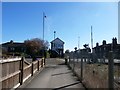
{"type": "Point", "coordinates": [55, 75]}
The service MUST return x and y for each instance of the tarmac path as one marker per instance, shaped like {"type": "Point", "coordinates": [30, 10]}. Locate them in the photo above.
{"type": "Point", "coordinates": [55, 75]}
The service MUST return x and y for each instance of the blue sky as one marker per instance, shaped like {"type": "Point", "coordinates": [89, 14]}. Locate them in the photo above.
{"type": "Point", "coordinates": [70, 20]}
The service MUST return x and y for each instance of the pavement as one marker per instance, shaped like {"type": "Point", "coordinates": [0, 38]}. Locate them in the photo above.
{"type": "Point", "coordinates": [56, 75]}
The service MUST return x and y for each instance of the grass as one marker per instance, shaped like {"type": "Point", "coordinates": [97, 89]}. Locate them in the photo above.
{"type": "Point", "coordinates": [96, 75]}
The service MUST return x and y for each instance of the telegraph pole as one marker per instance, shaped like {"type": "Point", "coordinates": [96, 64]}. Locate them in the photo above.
{"type": "Point", "coordinates": [78, 42]}
{"type": "Point", "coordinates": [54, 39]}
{"type": "Point", "coordinates": [54, 34]}
{"type": "Point", "coordinates": [43, 23]}
{"type": "Point", "coordinates": [91, 40]}
{"type": "Point", "coordinates": [43, 30]}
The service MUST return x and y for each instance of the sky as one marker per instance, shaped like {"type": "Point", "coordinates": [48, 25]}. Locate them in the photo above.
{"type": "Point", "coordinates": [119, 22]}
{"type": "Point", "coordinates": [70, 20]}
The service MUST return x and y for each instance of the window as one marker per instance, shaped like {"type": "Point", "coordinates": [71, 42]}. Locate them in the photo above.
{"type": "Point", "coordinates": [12, 48]}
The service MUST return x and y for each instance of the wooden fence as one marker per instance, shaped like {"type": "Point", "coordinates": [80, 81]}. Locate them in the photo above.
{"type": "Point", "coordinates": [95, 74]}
{"type": "Point", "coordinates": [16, 72]}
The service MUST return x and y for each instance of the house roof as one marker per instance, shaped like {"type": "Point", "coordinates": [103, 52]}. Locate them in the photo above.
{"type": "Point", "coordinates": [106, 45]}
{"type": "Point", "coordinates": [109, 44]}
{"type": "Point", "coordinates": [12, 44]}
{"type": "Point", "coordinates": [57, 39]}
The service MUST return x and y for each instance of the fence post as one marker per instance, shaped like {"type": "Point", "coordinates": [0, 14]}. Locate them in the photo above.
{"type": "Point", "coordinates": [21, 70]}
{"type": "Point", "coordinates": [69, 62]}
{"type": "Point", "coordinates": [38, 65]}
{"type": "Point", "coordinates": [66, 61]}
{"type": "Point", "coordinates": [44, 61]}
{"type": "Point", "coordinates": [32, 70]}
{"type": "Point", "coordinates": [73, 61]}
{"type": "Point", "coordinates": [74, 57]}
{"type": "Point", "coordinates": [81, 68]}
{"type": "Point", "coordinates": [110, 71]}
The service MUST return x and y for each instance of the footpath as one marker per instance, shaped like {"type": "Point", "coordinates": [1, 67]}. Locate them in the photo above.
{"type": "Point", "coordinates": [56, 75]}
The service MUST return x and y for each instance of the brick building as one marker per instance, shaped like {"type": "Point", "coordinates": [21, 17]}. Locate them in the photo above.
{"type": "Point", "coordinates": [14, 48]}
{"type": "Point", "coordinates": [103, 50]}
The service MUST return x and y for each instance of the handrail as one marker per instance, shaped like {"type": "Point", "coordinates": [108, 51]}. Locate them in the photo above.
{"type": "Point", "coordinates": [10, 60]}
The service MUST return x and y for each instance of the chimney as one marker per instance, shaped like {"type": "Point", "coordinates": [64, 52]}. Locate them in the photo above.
{"type": "Point", "coordinates": [97, 44]}
{"type": "Point", "coordinates": [11, 41]}
{"type": "Point", "coordinates": [104, 42]}
{"type": "Point", "coordinates": [114, 41]}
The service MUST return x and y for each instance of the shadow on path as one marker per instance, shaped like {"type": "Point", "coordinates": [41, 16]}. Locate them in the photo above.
{"type": "Point", "coordinates": [66, 86]}
{"type": "Point", "coordinates": [62, 73]}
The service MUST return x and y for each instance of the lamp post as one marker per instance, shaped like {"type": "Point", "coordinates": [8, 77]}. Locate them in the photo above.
{"type": "Point", "coordinates": [92, 45]}
{"type": "Point", "coordinates": [54, 34]}
{"type": "Point", "coordinates": [74, 57]}
{"type": "Point", "coordinates": [91, 40]}
{"type": "Point", "coordinates": [43, 36]}
{"type": "Point", "coordinates": [54, 39]}
{"type": "Point", "coordinates": [43, 23]}
{"type": "Point", "coordinates": [43, 30]}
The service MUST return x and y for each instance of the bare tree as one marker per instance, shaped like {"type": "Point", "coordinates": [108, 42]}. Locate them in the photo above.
{"type": "Point", "coordinates": [46, 45]}
{"type": "Point", "coordinates": [67, 51]}
{"type": "Point", "coordinates": [34, 46]}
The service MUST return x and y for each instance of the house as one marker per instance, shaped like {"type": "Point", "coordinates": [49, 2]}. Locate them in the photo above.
{"type": "Point", "coordinates": [103, 50]}
{"type": "Point", "coordinates": [57, 48]}
{"type": "Point", "coordinates": [13, 48]}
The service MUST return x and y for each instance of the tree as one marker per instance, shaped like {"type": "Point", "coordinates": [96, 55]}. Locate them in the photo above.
{"type": "Point", "coordinates": [75, 48]}
{"type": "Point", "coordinates": [46, 45]}
{"type": "Point", "coordinates": [34, 46]}
{"type": "Point", "coordinates": [86, 45]}
{"type": "Point", "coordinates": [67, 51]}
